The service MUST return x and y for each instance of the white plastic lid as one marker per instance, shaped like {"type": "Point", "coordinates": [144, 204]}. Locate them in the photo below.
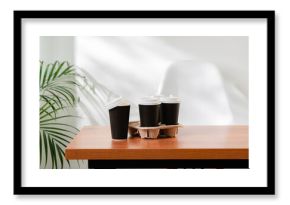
{"type": "Point", "coordinates": [170, 99]}
{"type": "Point", "coordinates": [150, 100]}
{"type": "Point", "coordinates": [117, 102]}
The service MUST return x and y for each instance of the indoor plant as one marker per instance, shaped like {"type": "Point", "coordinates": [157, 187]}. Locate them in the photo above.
{"type": "Point", "coordinates": [57, 84]}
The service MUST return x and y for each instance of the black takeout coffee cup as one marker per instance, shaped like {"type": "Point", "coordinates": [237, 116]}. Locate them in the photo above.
{"type": "Point", "coordinates": [119, 112]}
{"type": "Point", "coordinates": [159, 97]}
{"type": "Point", "coordinates": [149, 111]}
{"type": "Point", "coordinates": [169, 110]}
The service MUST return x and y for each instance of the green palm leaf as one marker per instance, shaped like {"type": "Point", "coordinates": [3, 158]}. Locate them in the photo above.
{"type": "Point", "coordinates": [57, 92]}
{"type": "Point", "coordinates": [45, 139]}
{"type": "Point", "coordinates": [60, 124]}
{"type": "Point", "coordinates": [60, 154]}
{"type": "Point", "coordinates": [60, 142]}
{"type": "Point", "coordinates": [56, 118]}
{"type": "Point", "coordinates": [65, 93]}
{"type": "Point", "coordinates": [40, 147]}
{"type": "Point", "coordinates": [44, 111]}
{"type": "Point", "coordinates": [51, 72]}
{"type": "Point", "coordinates": [52, 152]}
{"type": "Point", "coordinates": [43, 78]}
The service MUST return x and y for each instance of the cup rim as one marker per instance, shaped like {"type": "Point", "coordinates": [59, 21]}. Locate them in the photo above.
{"type": "Point", "coordinates": [119, 101]}
{"type": "Point", "coordinates": [150, 100]}
{"type": "Point", "coordinates": [170, 99]}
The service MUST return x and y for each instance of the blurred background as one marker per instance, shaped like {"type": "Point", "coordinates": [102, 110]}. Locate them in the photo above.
{"type": "Point", "coordinates": [208, 73]}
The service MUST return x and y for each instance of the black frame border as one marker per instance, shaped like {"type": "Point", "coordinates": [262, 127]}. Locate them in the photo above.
{"type": "Point", "coordinates": [269, 189]}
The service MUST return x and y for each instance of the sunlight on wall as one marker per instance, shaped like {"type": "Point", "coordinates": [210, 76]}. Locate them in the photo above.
{"type": "Point", "coordinates": [133, 67]}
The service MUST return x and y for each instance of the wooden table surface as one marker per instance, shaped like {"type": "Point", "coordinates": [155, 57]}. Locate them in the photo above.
{"type": "Point", "coordinates": [192, 142]}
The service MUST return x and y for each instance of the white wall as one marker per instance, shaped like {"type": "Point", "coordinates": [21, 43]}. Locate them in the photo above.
{"type": "Point", "coordinates": [56, 48]}
{"type": "Point", "coordinates": [229, 53]}
{"type": "Point", "coordinates": [135, 66]}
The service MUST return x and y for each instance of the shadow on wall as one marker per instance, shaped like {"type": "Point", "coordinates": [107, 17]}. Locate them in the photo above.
{"type": "Point", "coordinates": [129, 66]}
{"type": "Point", "coordinates": [132, 67]}
{"type": "Point", "coordinates": [206, 97]}
{"type": "Point", "coordinates": [93, 100]}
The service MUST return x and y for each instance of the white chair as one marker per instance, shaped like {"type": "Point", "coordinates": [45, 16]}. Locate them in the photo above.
{"type": "Point", "coordinates": [201, 90]}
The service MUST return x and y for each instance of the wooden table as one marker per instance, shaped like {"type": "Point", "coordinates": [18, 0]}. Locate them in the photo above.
{"type": "Point", "coordinates": [194, 147]}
